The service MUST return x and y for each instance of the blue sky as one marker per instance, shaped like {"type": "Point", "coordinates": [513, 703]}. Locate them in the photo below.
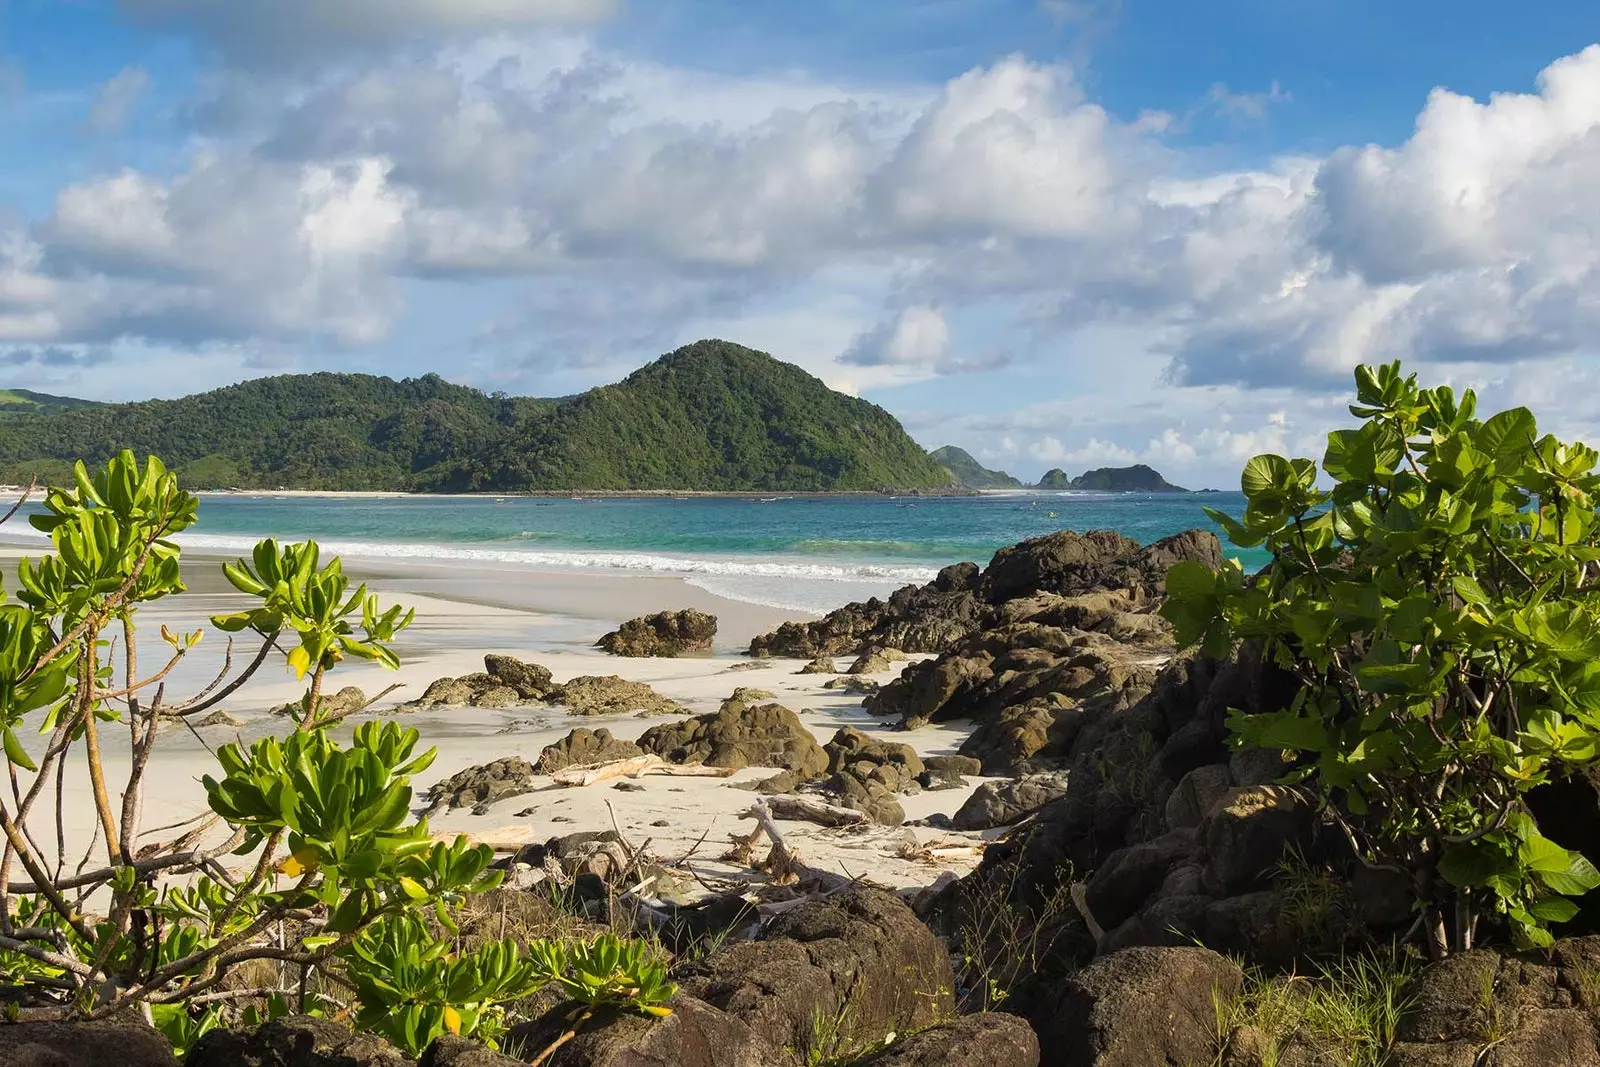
{"type": "Point", "coordinates": [1056, 232]}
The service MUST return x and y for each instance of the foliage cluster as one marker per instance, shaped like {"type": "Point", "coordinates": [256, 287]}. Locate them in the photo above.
{"type": "Point", "coordinates": [1439, 604]}
{"type": "Point", "coordinates": [339, 874]}
{"type": "Point", "coordinates": [709, 416]}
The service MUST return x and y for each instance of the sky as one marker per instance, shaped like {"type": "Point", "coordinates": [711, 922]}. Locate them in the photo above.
{"type": "Point", "coordinates": [1057, 233]}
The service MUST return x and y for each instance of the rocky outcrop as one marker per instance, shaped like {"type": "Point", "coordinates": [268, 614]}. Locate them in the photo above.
{"type": "Point", "coordinates": [694, 1035]}
{"type": "Point", "coordinates": [452, 1051]}
{"type": "Point", "coordinates": [1047, 657]}
{"type": "Point", "coordinates": [1003, 803]}
{"type": "Point", "coordinates": [480, 786]}
{"type": "Point", "coordinates": [819, 665]}
{"type": "Point", "coordinates": [914, 619]}
{"type": "Point", "coordinates": [740, 735]}
{"type": "Point", "coordinates": [611, 695]}
{"type": "Point", "coordinates": [987, 1039]}
{"type": "Point", "coordinates": [876, 661]}
{"type": "Point", "coordinates": [962, 600]}
{"type": "Point", "coordinates": [666, 633]}
{"type": "Point", "coordinates": [1140, 1007]}
{"type": "Point", "coordinates": [296, 1041]}
{"type": "Point", "coordinates": [859, 959]}
{"type": "Point", "coordinates": [583, 746]}
{"type": "Point", "coordinates": [505, 682]}
{"type": "Point", "coordinates": [127, 1041]}
{"type": "Point", "coordinates": [346, 701]}
{"type": "Point", "coordinates": [1071, 564]}
{"type": "Point", "coordinates": [865, 773]}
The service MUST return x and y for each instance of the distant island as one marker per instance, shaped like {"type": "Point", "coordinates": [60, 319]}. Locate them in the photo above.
{"type": "Point", "coordinates": [969, 473]}
{"type": "Point", "coordinates": [711, 416]}
{"type": "Point", "coordinates": [1135, 479]}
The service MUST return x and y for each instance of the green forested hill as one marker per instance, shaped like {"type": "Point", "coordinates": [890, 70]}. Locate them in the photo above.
{"type": "Point", "coordinates": [28, 402]}
{"type": "Point", "coordinates": [710, 416]}
{"type": "Point", "coordinates": [969, 473]}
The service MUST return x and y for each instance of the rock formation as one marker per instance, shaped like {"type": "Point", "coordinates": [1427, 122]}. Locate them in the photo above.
{"type": "Point", "coordinates": [666, 633]}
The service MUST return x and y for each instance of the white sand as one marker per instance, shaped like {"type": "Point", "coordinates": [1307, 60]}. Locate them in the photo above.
{"type": "Point", "coordinates": [556, 620]}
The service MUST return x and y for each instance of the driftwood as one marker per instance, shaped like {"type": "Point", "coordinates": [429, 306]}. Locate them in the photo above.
{"type": "Point", "coordinates": [793, 808]}
{"type": "Point", "coordinates": [633, 767]}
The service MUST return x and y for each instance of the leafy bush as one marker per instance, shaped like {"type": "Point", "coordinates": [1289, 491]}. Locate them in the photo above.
{"type": "Point", "coordinates": [342, 873]}
{"type": "Point", "coordinates": [1440, 606]}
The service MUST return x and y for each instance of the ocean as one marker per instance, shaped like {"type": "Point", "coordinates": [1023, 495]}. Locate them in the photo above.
{"type": "Point", "coordinates": [790, 551]}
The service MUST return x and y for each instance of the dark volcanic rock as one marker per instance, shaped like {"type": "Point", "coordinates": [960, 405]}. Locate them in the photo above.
{"type": "Point", "coordinates": [924, 618]}
{"type": "Point", "coordinates": [346, 701]}
{"type": "Point", "coordinates": [505, 682]}
{"type": "Point", "coordinates": [1141, 1007]}
{"type": "Point", "coordinates": [694, 1035]}
{"type": "Point", "coordinates": [531, 681]}
{"type": "Point", "coordinates": [876, 660]}
{"type": "Point", "coordinates": [452, 1051]}
{"type": "Point", "coordinates": [766, 735]}
{"type": "Point", "coordinates": [666, 633]}
{"type": "Point", "coordinates": [987, 1039]}
{"type": "Point", "coordinates": [611, 695]}
{"type": "Point", "coordinates": [819, 665]}
{"type": "Point", "coordinates": [297, 1041]}
{"type": "Point", "coordinates": [1003, 803]}
{"type": "Point", "coordinates": [483, 784]}
{"type": "Point", "coordinates": [583, 746]}
{"type": "Point", "coordinates": [1069, 564]}
{"type": "Point", "coordinates": [860, 957]}
{"type": "Point", "coordinates": [127, 1042]}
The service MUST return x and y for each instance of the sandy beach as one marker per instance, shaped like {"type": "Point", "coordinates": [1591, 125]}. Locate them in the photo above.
{"type": "Point", "coordinates": [553, 620]}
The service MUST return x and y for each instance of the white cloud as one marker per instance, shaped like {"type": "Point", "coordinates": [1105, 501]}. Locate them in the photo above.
{"type": "Point", "coordinates": [871, 231]}
{"type": "Point", "coordinates": [117, 99]}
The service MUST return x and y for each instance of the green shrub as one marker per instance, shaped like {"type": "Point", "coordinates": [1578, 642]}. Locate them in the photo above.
{"type": "Point", "coordinates": [342, 872]}
{"type": "Point", "coordinates": [1439, 604]}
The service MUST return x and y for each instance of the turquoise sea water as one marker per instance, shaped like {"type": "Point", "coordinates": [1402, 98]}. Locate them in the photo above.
{"type": "Point", "coordinates": [812, 552]}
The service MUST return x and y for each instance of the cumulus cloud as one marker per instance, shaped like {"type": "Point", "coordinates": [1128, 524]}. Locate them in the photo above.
{"type": "Point", "coordinates": [631, 203]}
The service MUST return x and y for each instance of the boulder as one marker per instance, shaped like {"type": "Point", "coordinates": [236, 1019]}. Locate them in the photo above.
{"type": "Point", "coordinates": [694, 1035]}
{"type": "Point", "coordinates": [852, 683]}
{"type": "Point", "coordinates": [765, 735]}
{"type": "Point", "coordinates": [583, 746]}
{"type": "Point", "coordinates": [296, 1041]}
{"type": "Point", "coordinates": [895, 764]}
{"type": "Point", "coordinates": [498, 696]}
{"type": "Point", "coordinates": [611, 695]}
{"type": "Point", "coordinates": [859, 957]}
{"type": "Point", "coordinates": [452, 1051]}
{"type": "Point", "coordinates": [870, 797]}
{"type": "Point", "coordinates": [1039, 731]}
{"type": "Point", "coordinates": [819, 665]}
{"type": "Point", "coordinates": [478, 787]}
{"type": "Point", "coordinates": [965, 765]}
{"type": "Point", "coordinates": [444, 693]}
{"type": "Point", "coordinates": [747, 696]}
{"type": "Point", "coordinates": [1069, 563]}
{"type": "Point", "coordinates": [987, 1039]}
{"type": "Point", "coordinates": [876, 660]}
{"type": "Point", "coordinates": [346, 701]}
{"type": "Point", "coordinates": [666, 633]}
{"type": "Point", "coordinates": [1140, 1007]}
{"type": "Point", "coordinates": [219, 718]}
{"type": "Point", "coordinates": [1247, 833]}
{"type": "Point", "coordinates": [924, 618]}
{"type": "Point", "coordinates": [1196, 794]}
{"type": "Point", "coordinates": [1003, 803]}
{"type": "Point", "coordinates": [531, 681]}
{"type": "Point", "coordinates": [127, 1041]}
